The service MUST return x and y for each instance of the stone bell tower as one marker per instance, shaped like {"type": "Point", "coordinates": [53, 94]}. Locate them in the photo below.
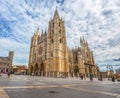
{"type": "Point", "coordinates": [33, 50]}
{"type": "Point", "coordinates": [56, 58]}
{"type": "Point", "coordinates": [11, 54]}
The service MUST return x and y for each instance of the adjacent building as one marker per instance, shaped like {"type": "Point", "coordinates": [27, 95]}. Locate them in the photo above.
{"type": "Point", "coordinates": [50, 55]}
{"type": "Point", "coordinates": [6, 62]}
{"type": "Point", "coordinates": [118, 71]}
{"type": "Point", "coordinates": [20, 69]}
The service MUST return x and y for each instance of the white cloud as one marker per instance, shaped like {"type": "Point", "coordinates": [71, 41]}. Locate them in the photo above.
{"type": "Point", "coordinates": [97, 20]}
{"type": "Point", "coordinates": [21, 50]}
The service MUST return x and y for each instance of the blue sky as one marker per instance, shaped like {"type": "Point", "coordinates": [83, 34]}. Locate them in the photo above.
{"type": "Point", "coordinates": [97, 20]}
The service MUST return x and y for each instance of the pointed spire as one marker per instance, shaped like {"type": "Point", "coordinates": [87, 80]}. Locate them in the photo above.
{"type": "Point", "coordinates": [86, 43]}
{"type": "Point", "coordinates": [56, 13]}
{"type": "Point", "coordinates": [45, 32]}
{"type": "Point", "coordinates": [37, 32]}
{"type": "Point", "coordinates": [83, 39]}
{"type": "Point", "coordinates": [81, 42]}
{"type": "Point", "coordinates": [38, 29]}
{"type": "Point", "coordinates": [42, 33]}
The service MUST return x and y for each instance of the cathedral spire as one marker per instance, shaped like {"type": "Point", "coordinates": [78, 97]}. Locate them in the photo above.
{"type": "Point", "coordinates": [37, 32]}
{"type": "Point", "coordinates": [42, 32]}
{"type": "Point", "coordinates": [86, 43]}
{"type": "Point", "coordinates": [45, 32]}
{"type": "Point", "coordinates": [56, 13]}
{"type": "Point", "coordinates": [81, 41]}
{"type": "Point", "coordinates": [38, 29]}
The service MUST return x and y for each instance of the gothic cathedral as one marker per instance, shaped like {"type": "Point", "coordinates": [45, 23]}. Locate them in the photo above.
{"type": "Point", "coordinates": [50, 56]}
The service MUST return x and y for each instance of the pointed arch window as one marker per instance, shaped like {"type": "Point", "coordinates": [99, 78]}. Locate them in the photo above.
{"type": "Point", "coordinates": [53, 25]}
{"type": "Point", "coordinates": [53, 31]}
{"type": "Point", "coordinates": [60, 40]}
{"type": "Point", "coordinates": [59, 23]}
{"type": "Point", "coordinates": [52, 41]}
{"type": "Point", "coordinates": [51, 53]}
{"type": "Point", "coordinates": [59, 31]}
{"type": "Point", "coordinates": [40, 50]}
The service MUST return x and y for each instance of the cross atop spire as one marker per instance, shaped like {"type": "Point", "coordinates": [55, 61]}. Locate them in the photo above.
{"type": "Point", "coordinates": [56, 13]}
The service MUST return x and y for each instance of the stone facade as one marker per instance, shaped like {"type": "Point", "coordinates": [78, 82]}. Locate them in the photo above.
{"type": "Point", "coordinates": [20, 69]}
{"type": "Point", "coordinates": [50, 56]}
{"type": "Point", "coordinates": [81, 60]}
{"type": "Point", "coordinates": [6, 63]}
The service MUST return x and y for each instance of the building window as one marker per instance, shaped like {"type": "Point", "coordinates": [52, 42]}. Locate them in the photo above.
{"type": "Point", "coordinates": [51, 54]}
{"type": "Point", "coordinates": [53, 31]}
{"type": "Point", "coordinates": [87, 55]}
{"type": "Point", "coordinates": [60, 40]}
{"type": "Point", "coordinates": [59, 23]}
{"type": "Point", "coordinates": [40, 50]}
{"type": "Point", "coordinates": [59, 31]}
{"type": "Point", "coordinates": [53, 25]}
{"type": "Point", "coordinates": [52, 41]}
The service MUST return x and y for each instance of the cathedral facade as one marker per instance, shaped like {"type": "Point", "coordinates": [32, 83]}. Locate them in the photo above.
{"type": "Point", "coordinates": [50, 56]}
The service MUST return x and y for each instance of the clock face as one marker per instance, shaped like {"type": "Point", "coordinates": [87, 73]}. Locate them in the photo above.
{"type": "Point", "coordinates": [40, 50]}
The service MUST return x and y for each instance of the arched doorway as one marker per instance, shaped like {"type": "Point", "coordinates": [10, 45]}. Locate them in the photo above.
{"type": "Point", "coordinates": [42, 69]}
{"type": "Point", "coordinates": [36, 69]}
{"type": "Point", "coordinates": [70, 70]}
{"type": "Point", "coordinates": [76, 71]}
{"type": "Point", "coordinates": [7, 70]}
{"type": "Point", "coordinates": [31, 70]}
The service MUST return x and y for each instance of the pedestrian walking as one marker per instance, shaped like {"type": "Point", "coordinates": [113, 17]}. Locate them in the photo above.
{"type": "Point", "coordinates": [113, 79]}
{"type": "Point", "coordinates": [91, 77]}
{"type": "Point", "coordinates": [81, 77]}
{"type": "Point", "coordinates": [84, 76]}
{"type": "Point", "coordinates": [8, 74]}
{"type": "Point", "coordinates": [101, 77]}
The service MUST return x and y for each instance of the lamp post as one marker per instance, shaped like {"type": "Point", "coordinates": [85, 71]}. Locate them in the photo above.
{"type": "Point", "coordinates": [109, 71]}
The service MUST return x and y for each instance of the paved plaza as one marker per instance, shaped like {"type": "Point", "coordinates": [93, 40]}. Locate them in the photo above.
{"type": "Point", "coordinates": [21, 86]}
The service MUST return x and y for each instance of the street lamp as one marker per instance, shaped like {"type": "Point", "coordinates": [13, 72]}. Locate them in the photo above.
{"type": "Point", "coordinates": [109, 71]}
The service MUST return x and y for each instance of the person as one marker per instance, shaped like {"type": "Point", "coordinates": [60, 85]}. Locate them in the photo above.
{"type": "Point", "coordinates": [91, 77]}
{"type": "Point", "coordinates": [100, 77]}
{"type": "Point", "coordinates": [84, 76]}
{"type": "Point", "coordinates": [8, 74]}
{"type": "Point", "coordinates": [113, 79]}
{"type": "Point", "coordinates": [81, 77]}
{"type": "Point", "coordinates": [32, 74]}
